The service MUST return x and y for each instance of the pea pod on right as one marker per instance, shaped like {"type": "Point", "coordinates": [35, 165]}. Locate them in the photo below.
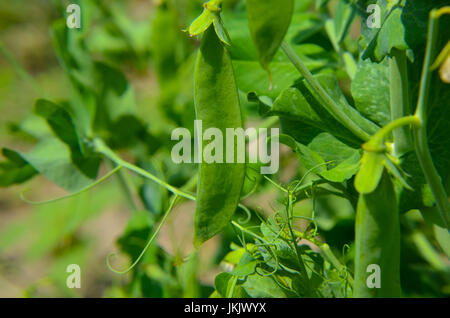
{"type": "Point", "coordinates": [377, 238]}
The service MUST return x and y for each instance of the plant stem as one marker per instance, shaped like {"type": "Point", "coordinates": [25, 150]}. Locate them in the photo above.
{"type": "Point", "coordinates": [21, 71]}
{"type": "Point", "coordinates": [420, 134]}
{"type": "Point", "coordinates": [376, 141]}
{"type": "Point", "coordinates": [289, 212]}
{"type": "Point", "coordinates": [328, 103]}
{"type": "Point", "coordinates": [123, 183]}
{"type": "Point", "coordinates": [333, 260]}
{"type": "Point", "coordinates": [102, 148]}
{"type": "Point", "coordinates": [399, 100]}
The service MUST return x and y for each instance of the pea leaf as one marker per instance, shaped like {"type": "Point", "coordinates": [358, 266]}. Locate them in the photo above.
{"type": "Point", "coordinates": [403, 26]}
{"type": "Point", "coordinates": [327, 157]}
{"type": "Point", "coordinates": [258, 286]}
{"type": "Point", "coordinates": [251, 77]}
{"type": "Point", "coordinates": [269, 21]}
{"type": "Point", "coordinates": [53, 159]}
{"type": "Point", "coordinates": [370, 91]}
{"type": "Point", "coordinates": [301, 105]}
{"type": "Point", "coordinates": [14, 170]}
{"type": "Point", "coordinates": [227, 286]}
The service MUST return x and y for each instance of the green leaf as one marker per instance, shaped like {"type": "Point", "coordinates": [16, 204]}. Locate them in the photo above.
{"type": "Point", "coordinates": [258, 286]}
{"type": "Point", "coordinates": [53, 159]}
{"type": "Point", "coordinates": [301, 105]}
{"type": "Point", "coordinates": [403, 26]}
{"type": "Point", "coordinates": [134, 238]}
{"type": "Point", "coordinates": [227, 285]}
{"type": "Point", "coordinates": [269, 21]}
{"type": "Point", "coordinates": [327, 156]}
{"type": "Point", "coordinates": [251, 77]}
{"type": "Point", "coordinates": [14, 170]}
{"type": "Point", "coordinates": [370, 91]}
{"type": "Point", "coordinates": [246, 266]}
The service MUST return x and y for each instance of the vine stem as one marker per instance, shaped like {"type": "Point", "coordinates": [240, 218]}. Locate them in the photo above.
{"type": "Point", "coordinates": [328, 102]}
{"type": "Point", "coordinates": [20, 70]}
{"type": "Point", "coordinates": [375, 143]}
{"type": "Point", "coordinates": [399, 100]}
{"type": "Point", "coordinates": [420, 134]}
{"type": "Point", "coordinates": [102, 148]}
{"type": "Point", "coordinates": [95, 183]}
{"type": "Point", "coordinates": [123, 183]}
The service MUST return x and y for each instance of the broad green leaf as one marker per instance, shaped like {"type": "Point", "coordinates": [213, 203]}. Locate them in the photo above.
{"type": "Point", "coordinates": [327, 157]}
{"type": "Point", "coordinates": [60, 122]}
{"type": "Point", "coordinates": [370, 91]}
{"type": "Point", "coordinates": [249, 74]}
{"type": "Point", "coordinates": [258, 286]}
{"type": "Point", "coordinates": [135, 236]}
{"type": "Point", "coordinates": [300, 104]}
{"type": "Point", "coordinates": [269, 21]}
{"type": "Point", "coordinates": [227, 285]}
{"type": "Point", "coordinates": [168, 44]}
{"type": "Point", "coordinates": [53, 159]}
{"type": "Point", "coordinates": [14, 170]}
{"type": "Point", "coordinates": [403, 26]}
{"type": "Point", "coordinates": [246, 266]}
{"type": "Point", "coordinates": [443, 237]}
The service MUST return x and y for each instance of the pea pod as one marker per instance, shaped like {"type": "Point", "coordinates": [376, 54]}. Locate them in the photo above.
{"type": "Point", "coordinates": [217, 106]}
{"type": "Point", "coordinates": [269, 21]}
{"type": "Point", "coordinates": [377, 243]}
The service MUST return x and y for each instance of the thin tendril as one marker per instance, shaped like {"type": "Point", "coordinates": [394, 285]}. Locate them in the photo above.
{"type": "Point", "coordinates": [106, 176]}
{"type": "Point", "coordinates": [150, 241]}
{"type": "Point", "coordinates": [309, 172]}
{"type": "Point", "coordinates": [248, 215]}
{"type": "Point", "coordinates": [275, 184]}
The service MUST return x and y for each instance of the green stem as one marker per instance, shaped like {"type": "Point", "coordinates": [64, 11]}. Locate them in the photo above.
{"type": "Point", "coordinates": [329, 104]}
{"type": "Point", "coordinates": [95, 183]}
{"type": "Point", "coordinates": [21, 71]}
{"type": "Point", "coordinates": [375, 143]}
{"type": "Point", "coordinates": [399, 95]}
{"type": "Point", "coordinates": [333, 260]}
{"type": "Point", "coordinates": [301, 265]}
{"type": "Point", "coordinates": [420, 134]}
{"type": "Point", "coordinates": [243, 229]}
{"type": "Point", "coordinates": [102, 148]}
{"type": "Point", "coordinates": [123, 183]}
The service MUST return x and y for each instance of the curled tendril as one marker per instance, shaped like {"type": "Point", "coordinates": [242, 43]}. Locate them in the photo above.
{"type": "Point", "coordinates": [97, 182]}
{"type": "Point", "coordinates": [149, 243]}
{"type": "Point", "coordinates": [247, 213]}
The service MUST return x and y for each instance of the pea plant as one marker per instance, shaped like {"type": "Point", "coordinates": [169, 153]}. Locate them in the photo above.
{"type": "Point", "coordinates": [359, 92]}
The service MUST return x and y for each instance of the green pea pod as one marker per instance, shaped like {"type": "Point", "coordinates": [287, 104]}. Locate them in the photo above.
{"type": "Point", "coordinates": [269, 21]}
{"type": "Point", "coordinates": [217, 106]}
{"type": "Point", "coordinates": [377, 254]}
